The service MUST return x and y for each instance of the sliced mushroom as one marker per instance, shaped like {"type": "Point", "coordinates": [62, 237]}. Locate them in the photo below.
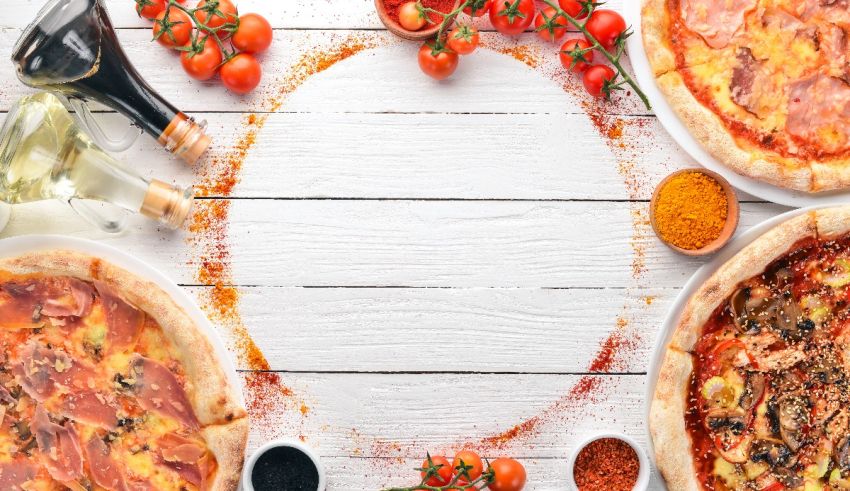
{"type": "Point", "coordinates": [742, 311]}
{"type": "Point", "coordinates": [719, 420]}
{"type": "Point", "coordinates": [842, 453]}
{"type": "Point", "coordinates": [793, 412]}
{"type": "Point", "coordinates": [754, 309]}
{"type": "Point", "coordinates": [754, 387]}
{"type": "Point", "coordinates": [774, 453]}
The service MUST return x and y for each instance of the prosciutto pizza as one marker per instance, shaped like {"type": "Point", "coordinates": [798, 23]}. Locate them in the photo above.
{"type": "Point", "coordinates": [761, 84]}
{"type": "Point", "coordinates": [107, 384]}
{"type": "Point", "coordinates": [754, 389]}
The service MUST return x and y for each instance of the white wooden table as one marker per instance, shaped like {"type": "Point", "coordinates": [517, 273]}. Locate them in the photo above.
{"type": "Point", "coordinates": [424, 264]}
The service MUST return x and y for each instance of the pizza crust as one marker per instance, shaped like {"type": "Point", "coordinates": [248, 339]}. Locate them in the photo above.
{"type": "Point", "coordinates": [655, 24]}
{"type": "Point", "coordinates": [212, 396]}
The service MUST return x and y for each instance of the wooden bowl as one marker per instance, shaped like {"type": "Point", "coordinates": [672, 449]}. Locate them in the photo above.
{"type": "Point", "coordinates": [394, 27]}
{"type": "Point", "coordinates": [732, 215]}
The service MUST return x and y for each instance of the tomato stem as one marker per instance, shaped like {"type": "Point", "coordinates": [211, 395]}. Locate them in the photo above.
{"type": "Point", "coordinates": [211, 8]}
{"type": "Point", "coordinates": [430, 470]}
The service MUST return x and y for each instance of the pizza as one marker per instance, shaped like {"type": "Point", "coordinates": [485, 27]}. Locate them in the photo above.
{"type": "Point", "coordinates": [107, 384]}
{"type": "Point", "coordinates": [753, 392]}
{"type": "Point", "coordinates": [761, 84]}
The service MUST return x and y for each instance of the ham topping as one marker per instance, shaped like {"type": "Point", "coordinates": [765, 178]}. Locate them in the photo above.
{"type": "Point", "coordinates": [157, 389]}
{"type": "Point", "coordinates": [819, 112]}
{"type": "Point", "coordinates": [185, 457]}
{"type": "Point", "coordinates": [104, 469]}
{"type": "Point", "coordinates": [58, 446]}
{"type": "Point", "coordinates": [830, 10]}
{"type": "Point", "coordinates": [752, 87]}
{"type": "Point", "coordinates": [15, 473]}
{"type": "Point", "coordinates": [60, 296]}
{"type": "Point", "coordinates": [717, 21]}
{"type": "Point", "coordinates": [90, 407]}
{"type": "Point", "coordinates": [124, 322]}
{"type": "Point", "coordinates": [833, 42]}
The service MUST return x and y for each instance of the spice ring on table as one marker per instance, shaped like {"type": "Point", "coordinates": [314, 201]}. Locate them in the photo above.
{"type": "Point", "coordinates": [641, 479]}
{"type": "Point", "coordinates": [694, 211]}
{"type": "Point", "coordinates": [274, 470]}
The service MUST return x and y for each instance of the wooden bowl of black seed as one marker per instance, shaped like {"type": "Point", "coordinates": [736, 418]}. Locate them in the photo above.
{"type": "Point", "coordinates": [283, 465]}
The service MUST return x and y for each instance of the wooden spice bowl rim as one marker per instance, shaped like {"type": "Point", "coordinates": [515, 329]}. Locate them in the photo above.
{"type": "Point", "coordinates": [642, 482]}
{"type": "Point", "coordinates": [394, 27]}
{"type": "Point", "coordinates": [732, 215]}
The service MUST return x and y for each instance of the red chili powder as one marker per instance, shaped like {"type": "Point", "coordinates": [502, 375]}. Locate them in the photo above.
{"type": "Point", "coordinates": [607, 464]}
{"type": "Point", "coordinates": [444, 6]}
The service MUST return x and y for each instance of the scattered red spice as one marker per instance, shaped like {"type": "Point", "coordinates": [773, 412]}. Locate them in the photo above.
{"type": "Point", "coordinates": [607, 464]}
{"type": "Point", "coordinates": [526, 54]}
{"type": "Point", "coordinates": [444, 6]}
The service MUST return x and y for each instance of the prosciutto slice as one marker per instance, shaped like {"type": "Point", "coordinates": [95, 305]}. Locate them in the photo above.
{"type": "Point", "coordinates": [157, 389]}
{"type": "Point", "coordinates": [124, 322]}
{"type": "Point", "coordinates": [23, 304]}
{"type": "Point", "coordinates": [716, 21]}
{"type": "Point", "coordinates": [184, 457]}
{"type": "Point", "coordinates": [104, 470]}
{"type": "Point", "coordinates": [91, 408]}
{"type": "Point", "coordinates": [819, 112]}
{"type": "Point", "coordinates": [15, 473]}
{"type": "Point", "coordinates": [59, 447]}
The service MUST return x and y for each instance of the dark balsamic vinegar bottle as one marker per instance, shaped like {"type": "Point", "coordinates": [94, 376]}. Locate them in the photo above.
{"type": "Point", "coordinates": [71, 48]}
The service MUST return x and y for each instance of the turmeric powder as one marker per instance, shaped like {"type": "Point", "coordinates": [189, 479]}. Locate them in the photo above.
{"type": "Point", "coordinates": [690, 210]}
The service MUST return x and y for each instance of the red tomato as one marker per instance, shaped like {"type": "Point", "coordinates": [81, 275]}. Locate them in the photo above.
{"type": "Point", "coordinates": [478, 8]}
{"type": "Point", "coordinates": [209, 10]}
{"type": "Point", "coordinates": [606, 26]}
{"type": "Point", "coordinates": [573, 8]}
{"type": "Point", "coordinates": [463, 39]}
{"type": "Point", "coordinates": [595, 78]}
{"type": "Point", "coordinates": [550, 25]}
{"type": "Point", "coordinates": [509, 475]}
{"type": "Point", "coordinates": [242, 73]}
{"type": "Point", "coordinates": [437, 63]}
{"type": "Point", "coordinates": [469, 458]}
{"type": "Point", "coordinates": [149, 9]}
{"type": "Point", "coordinates": [444, 473]}
{"type": "Point", "coordinates": [172, 28]}
{"type": "Point", "coordinates": [202, 65]}
{"type": "Point", "coordinates": [573, 56]}
{"type": "Point", "coordinates": [254, 34]}
{"type": "Point", "coordinates": [512, 17]}
{"type": "Point", "coordinates": [410, 17]}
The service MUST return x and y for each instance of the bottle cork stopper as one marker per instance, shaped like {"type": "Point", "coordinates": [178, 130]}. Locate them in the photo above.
{"type": "Point", "coordinates": [167, 204]}
{"type": "Point", "coordinates": [193, 152]}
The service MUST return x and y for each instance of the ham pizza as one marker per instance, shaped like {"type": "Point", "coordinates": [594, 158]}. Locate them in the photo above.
{"type": "Point", "coordinates": [107, 384]}
{"type": "Point", "coordinates": [753, 391]}
{"type": "Point", "coordinates": [761, 84]}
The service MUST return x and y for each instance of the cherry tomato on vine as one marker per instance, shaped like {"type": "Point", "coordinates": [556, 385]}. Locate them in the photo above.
{"type": "Point", "coordinates": [410, 17]}
{"type": "Point", "coordinates": [595, 79]}
{"type": "Point", "coordinates": [478, 8]}
{"type": "Point", "coordinates": [512, 17]}
{"type": "Point", "coordinates": [463, 39]}
{"type": "Point", "coordinates": [172, 28]}
{"type": "Point", "coordinates": [444, 473]}
{"type": "Point", "coordinates": [254, 34]}
{"type": "Point", "coordinates": [203, 64]}
{"type": "Point", "coordinates": [606, 26]}
{"type": "Point", "coordinates": [573, 7]}
{"type": "Point", "coordinates": [550, 25]}
{"type": "Point", "coordinates": [241, 74]}
{"type": "Point", "coordinates": [573, 55]}
{"type": "Point", "coordinates": [469, 458]}
{"type": "Point", "coordinates": [149, 9]}
{"type": "Point", "coordinates": [509, 475]}
{"type": "Point", "coordinates": [437, 62]}
{"type": "Point", "coordinates": [210, 17]}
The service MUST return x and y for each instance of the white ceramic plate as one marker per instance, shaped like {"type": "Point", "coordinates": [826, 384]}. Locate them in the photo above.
{"type": "Point", "coordinates": [16, 246]}
{"type": "Point", "coordinates": [680, 133]}
{"type": "Point", "coordinates": [700, 276]}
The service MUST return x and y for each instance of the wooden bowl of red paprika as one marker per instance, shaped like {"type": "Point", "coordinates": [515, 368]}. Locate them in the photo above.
{"type": "Point", "coordinates": [388, 13]}
{"type": "Point", "coordinates": [609, 462]}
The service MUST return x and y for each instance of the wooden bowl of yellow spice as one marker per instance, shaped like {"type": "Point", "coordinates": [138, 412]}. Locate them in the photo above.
{"type": "Point", "coordinates": [694, 211]}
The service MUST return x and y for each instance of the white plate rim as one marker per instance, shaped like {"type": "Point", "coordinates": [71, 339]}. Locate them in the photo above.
{"type": "Point", "coordinates": [700, 276]}
{"type": "Point", "coordinates": [16, 246]}
{"type": "Point", "coordinates": [680, 134]}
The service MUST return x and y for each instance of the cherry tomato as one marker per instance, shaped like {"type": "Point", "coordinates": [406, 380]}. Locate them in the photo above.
{"type": "Point", "coordinates": [410, 17]}
{"type": "Point", "coordinates": [478, 8]}
{"type": "Point", "coordinates": [444, 473]}
{"type": "Point", "coordinates": [574, 46]}
{"type": "Point", "coordinates": [509, 475]}
{"type": "Point", "coordinates": [242, 73]}
{"type": "Point", "coordinates": [207, 14]}
{"type": "Point", "coordinates": [202, 65]}
{"type": "Point", "coordinates": [606, 26]}
{"type": "Point", "coordinates": [149, 9]}
{"type": "Point", "coordinates": [463, 39]}
{"type": "Point", "coordinates": [437, 63]}
{"type": "Point", "coordinates": [469, 458]}
{"type": "Point", "coordinates": [595, 78]}
{"type": "Point", "coordinates": [550, 25]}
{"type": "Point", "coordinates": [254, 34]}
{"type": "Point", "coordinates": [172, 28]}
{"type": "Point", "coordinates": [573, 8]}
{"type": "Point", "coordinates": [512, 17]}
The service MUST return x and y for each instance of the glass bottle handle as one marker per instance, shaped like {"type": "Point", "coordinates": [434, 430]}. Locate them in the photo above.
{"type": "Point", "coordinates": [93, 128]}
{"type": "Point", "coordinates": [110, 225]}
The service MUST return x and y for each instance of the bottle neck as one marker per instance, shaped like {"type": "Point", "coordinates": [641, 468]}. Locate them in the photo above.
{"type": "Point", "coordinates": [167, 204]}
{"type": "Point", "coordinates": [185, 138]}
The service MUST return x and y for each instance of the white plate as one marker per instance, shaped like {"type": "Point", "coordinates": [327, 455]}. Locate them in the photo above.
{"type": "Point", "coordinates": [17, 246]}
{"type": "Point", "coordinates": [700, 276]}
{"type": "Point", "coordinates": [680, 133]}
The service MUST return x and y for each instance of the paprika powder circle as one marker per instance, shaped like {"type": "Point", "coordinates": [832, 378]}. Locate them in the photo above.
{"type": "Point", "coordinates": [610, 462]}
